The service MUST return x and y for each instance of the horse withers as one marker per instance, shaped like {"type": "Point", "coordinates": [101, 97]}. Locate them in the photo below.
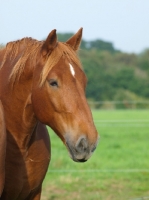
{"type": "Point", "coordinates": [42, 83]}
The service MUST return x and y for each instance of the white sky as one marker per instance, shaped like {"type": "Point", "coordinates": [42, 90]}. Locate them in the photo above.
{"type": "Point", "coordinates": [125, 23]}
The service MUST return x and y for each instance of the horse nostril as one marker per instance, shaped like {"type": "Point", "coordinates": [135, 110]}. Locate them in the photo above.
{"type": "Point", "coordinates": [93, 149]}
{"type": "Point", "coordinates": [81, 145]}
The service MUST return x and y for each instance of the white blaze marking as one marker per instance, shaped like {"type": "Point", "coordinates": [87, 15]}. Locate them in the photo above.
{"type": "Point", "coordinates": [72, 69]}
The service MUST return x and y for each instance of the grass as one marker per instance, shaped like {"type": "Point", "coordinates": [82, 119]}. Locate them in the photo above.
{"type": "Point", "coordinates": [119, 168]}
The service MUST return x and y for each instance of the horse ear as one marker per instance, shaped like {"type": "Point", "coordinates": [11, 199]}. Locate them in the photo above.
{"type": "Point", "coordinates": [75, 40]}
{"type": "Point", "coordinates": [50, 43]}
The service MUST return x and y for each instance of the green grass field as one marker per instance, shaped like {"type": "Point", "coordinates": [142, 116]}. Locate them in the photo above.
{"type": "Point", "coordinates": [119, 168]}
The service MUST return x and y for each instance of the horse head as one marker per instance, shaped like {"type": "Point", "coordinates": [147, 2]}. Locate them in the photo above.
{"type": "Point", "coordinates": [58, 96]}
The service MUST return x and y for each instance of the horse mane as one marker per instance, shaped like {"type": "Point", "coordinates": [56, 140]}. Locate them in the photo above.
{"type": "Point", "coordinates": [29, 48]}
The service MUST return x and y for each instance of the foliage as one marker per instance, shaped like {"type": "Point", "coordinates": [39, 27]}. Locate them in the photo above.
{"type": "Point", "coordinates": [107, 73]}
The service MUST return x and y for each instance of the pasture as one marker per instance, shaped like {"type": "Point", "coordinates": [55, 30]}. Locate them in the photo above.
{"type": "Point", "coordinates": [118, 169]}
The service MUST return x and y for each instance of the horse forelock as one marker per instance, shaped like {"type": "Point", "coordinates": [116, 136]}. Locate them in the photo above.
{"type": "Point", "coordinates": [61, 50]}
{"type": "Point", "coordinates": [27, 48]}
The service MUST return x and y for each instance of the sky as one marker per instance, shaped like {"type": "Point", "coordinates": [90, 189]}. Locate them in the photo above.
{"type": "Point", "coordinates": [125, 23]}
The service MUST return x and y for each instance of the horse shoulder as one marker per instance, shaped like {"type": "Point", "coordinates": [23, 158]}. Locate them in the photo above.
{"type": "Point", "coordinates": [39, 146]}
{"type": "Point", "coordinates": [39, 155]}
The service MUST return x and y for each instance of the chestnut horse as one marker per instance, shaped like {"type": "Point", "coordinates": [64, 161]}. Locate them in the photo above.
{"type": "Point", "coordinates": [42, 83]}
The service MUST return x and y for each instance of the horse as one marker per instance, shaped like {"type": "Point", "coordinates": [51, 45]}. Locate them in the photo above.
{"type": "Point", "coordinates": [42, 83]}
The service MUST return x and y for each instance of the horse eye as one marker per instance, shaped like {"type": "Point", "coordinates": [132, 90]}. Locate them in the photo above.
{"type": "Point", "coordinates": [53, 83]}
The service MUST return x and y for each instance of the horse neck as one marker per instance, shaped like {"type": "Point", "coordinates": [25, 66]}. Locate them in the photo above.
{"type": "Point", "coordinates": [20, 119]}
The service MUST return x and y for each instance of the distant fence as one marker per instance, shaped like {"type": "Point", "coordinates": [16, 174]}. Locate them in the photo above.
{"type": "Point", "coordinates": [119, 104]}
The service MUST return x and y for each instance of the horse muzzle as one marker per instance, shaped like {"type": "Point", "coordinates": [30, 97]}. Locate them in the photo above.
{"type": "Point", "coordinates": [82, 150]}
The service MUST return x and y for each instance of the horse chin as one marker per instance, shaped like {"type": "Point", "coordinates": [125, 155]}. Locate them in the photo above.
{"type": "Point", "coordinates": [80, 161]}
{"type": "Point", "coordinates": [75, 159]}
